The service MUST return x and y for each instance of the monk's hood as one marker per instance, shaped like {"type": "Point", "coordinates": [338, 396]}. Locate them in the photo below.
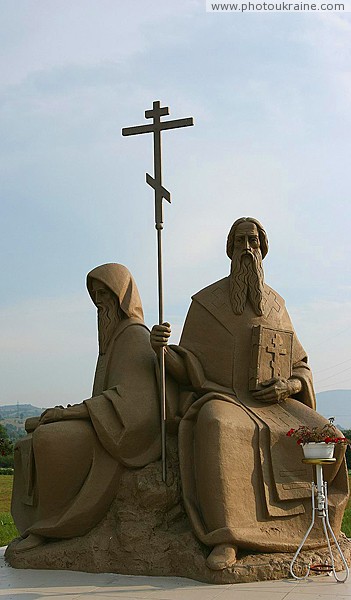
{"type": "Point", "coordinates": [120, 281]}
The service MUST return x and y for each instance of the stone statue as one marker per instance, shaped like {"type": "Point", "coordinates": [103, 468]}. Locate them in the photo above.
{"type": "Point", "coordinates": [68, 468]}
{"type": "Point", "coordinates": [89, 479]}
{"type": "Point", "coordinates": [244, 485]}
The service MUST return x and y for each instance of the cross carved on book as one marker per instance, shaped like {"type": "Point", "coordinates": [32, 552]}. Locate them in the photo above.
{"type": "Point", "coordinates": [277, 350]}
{"type": "Point", "coordinates": [271, 355]}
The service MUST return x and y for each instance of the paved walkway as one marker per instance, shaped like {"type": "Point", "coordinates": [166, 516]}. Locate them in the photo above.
{"type": "Point", "coordinates": [70, 585]}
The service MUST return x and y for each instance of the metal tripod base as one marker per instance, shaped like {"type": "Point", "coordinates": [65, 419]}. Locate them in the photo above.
{"type": "Point", "coordinates": [320, 490]}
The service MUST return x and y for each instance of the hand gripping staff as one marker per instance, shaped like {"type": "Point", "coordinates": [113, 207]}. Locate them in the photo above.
{"type": "Point", "coordinates": [155, 182]}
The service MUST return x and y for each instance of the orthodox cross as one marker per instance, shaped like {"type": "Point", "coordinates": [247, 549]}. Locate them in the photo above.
{"type": "Point", "coordinates": [155, 182]}
{"type": "Point", "coordinates": [270, 304]}
{"type": "Point", "coordinates": [277, 350]}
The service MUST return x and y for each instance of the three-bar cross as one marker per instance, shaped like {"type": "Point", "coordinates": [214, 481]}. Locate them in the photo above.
{"type": "Point", "coordinates": [155, 182]}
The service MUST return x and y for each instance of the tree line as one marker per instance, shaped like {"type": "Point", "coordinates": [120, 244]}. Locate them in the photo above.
{"type": "Point", "coordinates": [6, 449]}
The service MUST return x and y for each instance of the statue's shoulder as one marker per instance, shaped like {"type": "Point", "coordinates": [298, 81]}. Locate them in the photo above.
{"type": "Point", "coordinates": [270, 293]}
{"type": "Point", "coordinates": [220, 287]}
{"type": "Point", "coordinates": [215, 298]}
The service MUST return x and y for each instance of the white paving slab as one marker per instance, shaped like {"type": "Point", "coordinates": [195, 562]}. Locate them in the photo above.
{"type": "Point", "coordinates": [30, 584]}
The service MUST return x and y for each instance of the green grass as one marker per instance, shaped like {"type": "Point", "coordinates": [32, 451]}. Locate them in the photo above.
{"type": "Point", "coordinates": [5, 492]}
{"type": "Point", "coordinates": [8, 530]}
{"type": "Point", "coordinates": [346, 522]}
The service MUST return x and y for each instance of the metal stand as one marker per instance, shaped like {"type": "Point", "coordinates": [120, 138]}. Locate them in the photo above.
{"type": "Point", "coordinates": [322, 512]}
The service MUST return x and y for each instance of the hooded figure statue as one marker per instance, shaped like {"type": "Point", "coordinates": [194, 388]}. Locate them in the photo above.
{"type": "Point", "coordinates": [68, 467]}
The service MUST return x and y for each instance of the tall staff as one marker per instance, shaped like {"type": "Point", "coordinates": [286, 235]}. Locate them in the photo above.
{"type": "Point", "coordinates": [160, 192]}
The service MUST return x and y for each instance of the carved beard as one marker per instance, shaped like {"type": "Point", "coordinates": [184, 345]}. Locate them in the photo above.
{"type": "Point", "coordinates": [247, 281]}
{"type": "Point", "coordinates": [108, 319]}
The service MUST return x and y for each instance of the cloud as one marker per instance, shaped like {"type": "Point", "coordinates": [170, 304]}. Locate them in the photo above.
{"type": "Point", "coordinates": [271, 140]}
{"type": "Point", "coordinates": [48, 350]}
{"type": "Point", "coordinates": [42, 35]}
{"type": "Point", "coordinates": [326, 327]}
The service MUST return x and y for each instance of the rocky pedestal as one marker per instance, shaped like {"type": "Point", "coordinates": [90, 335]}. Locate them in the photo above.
{"type": "Point", "coordinates": [146, 532]}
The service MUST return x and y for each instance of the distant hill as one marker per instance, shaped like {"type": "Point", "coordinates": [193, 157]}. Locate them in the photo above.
{"type": "Point", "coordinates": [20, 411]}
{"type": "Point", "coordinates": [336, 403]}
{"type": "Point", "coordinates": [13, 416]}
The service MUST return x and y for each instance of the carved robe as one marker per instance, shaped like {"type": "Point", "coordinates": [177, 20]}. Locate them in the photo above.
{"type": "Point", "coordinates": [243, 480]}
{"type": "Point", "coordinates": [67, 472]}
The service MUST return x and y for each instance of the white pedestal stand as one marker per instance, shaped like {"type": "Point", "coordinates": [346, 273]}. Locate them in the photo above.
{"type": "Point", "coordinates": [322, 512]}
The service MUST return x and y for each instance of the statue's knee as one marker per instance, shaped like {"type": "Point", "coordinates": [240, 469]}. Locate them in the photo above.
{"type": "Point", "coordinates": [218, 414]}
{"type": "Point", "coordinates": [210, 414]}
{"type": "Point", "coordinates": [45, 437]}
{"type": "Point", "coordinates": [72, 441]}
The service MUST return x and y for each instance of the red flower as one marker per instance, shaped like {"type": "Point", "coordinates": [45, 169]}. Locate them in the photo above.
{"type": "Point", "coordinates": [290, 432]}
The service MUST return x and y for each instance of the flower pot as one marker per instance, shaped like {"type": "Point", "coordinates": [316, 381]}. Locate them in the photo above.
{"type": "Point", "coordinates": [318, 450]}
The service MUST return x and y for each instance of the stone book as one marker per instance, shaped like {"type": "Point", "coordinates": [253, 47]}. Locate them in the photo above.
{"type": "Point", "coordinates": [271, 355]}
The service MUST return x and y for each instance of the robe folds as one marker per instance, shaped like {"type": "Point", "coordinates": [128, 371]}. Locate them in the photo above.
{"type": "Point", "coordinates": [243, 479]}
{"type": "Point", "coordinates": [67, 472]}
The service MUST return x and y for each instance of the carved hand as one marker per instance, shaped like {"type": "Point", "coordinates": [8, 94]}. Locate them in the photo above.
{"type": "Point", "coordinates": [51, 415]}
{"type": "Point", "coordinates": [277, 390]}
{"type": "Point", "coordinates": [31, 424]}
{"type": "Point", "coordinates": [159, 336]}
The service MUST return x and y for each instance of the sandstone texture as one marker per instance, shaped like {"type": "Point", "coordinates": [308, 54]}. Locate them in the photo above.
{"type": "Point", "coordinates": [147, 532]}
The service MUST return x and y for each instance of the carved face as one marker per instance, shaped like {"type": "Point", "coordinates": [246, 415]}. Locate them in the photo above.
{"type": "Point", "coordinates": [102, 296]}
{"type": "Point", "coordinates": [246, 238]}
{"type": "Point", "coordinates": [109, 312]}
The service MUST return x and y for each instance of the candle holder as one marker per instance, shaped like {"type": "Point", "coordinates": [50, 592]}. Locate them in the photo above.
{"type": "Point", "coordinates": [321, 510]}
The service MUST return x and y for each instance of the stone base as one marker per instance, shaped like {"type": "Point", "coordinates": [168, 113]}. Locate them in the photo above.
{"type": "Point", "coordinates": [146, 532]}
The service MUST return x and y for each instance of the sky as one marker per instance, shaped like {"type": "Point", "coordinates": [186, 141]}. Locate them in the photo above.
{"type": "Point", "coordinates": [270, 95]}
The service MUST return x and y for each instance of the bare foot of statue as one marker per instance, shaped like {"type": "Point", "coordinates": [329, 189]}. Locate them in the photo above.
{"type": "Point", "coordinates": [32, 541]}
{"type": "Point", "coordinates": [222, 557]}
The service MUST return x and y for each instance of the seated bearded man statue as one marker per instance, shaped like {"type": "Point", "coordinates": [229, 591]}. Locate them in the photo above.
{"type": "Point", "coordinates": [244, 484]}
{"type": "Point", "coordinates": [68, 467]}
